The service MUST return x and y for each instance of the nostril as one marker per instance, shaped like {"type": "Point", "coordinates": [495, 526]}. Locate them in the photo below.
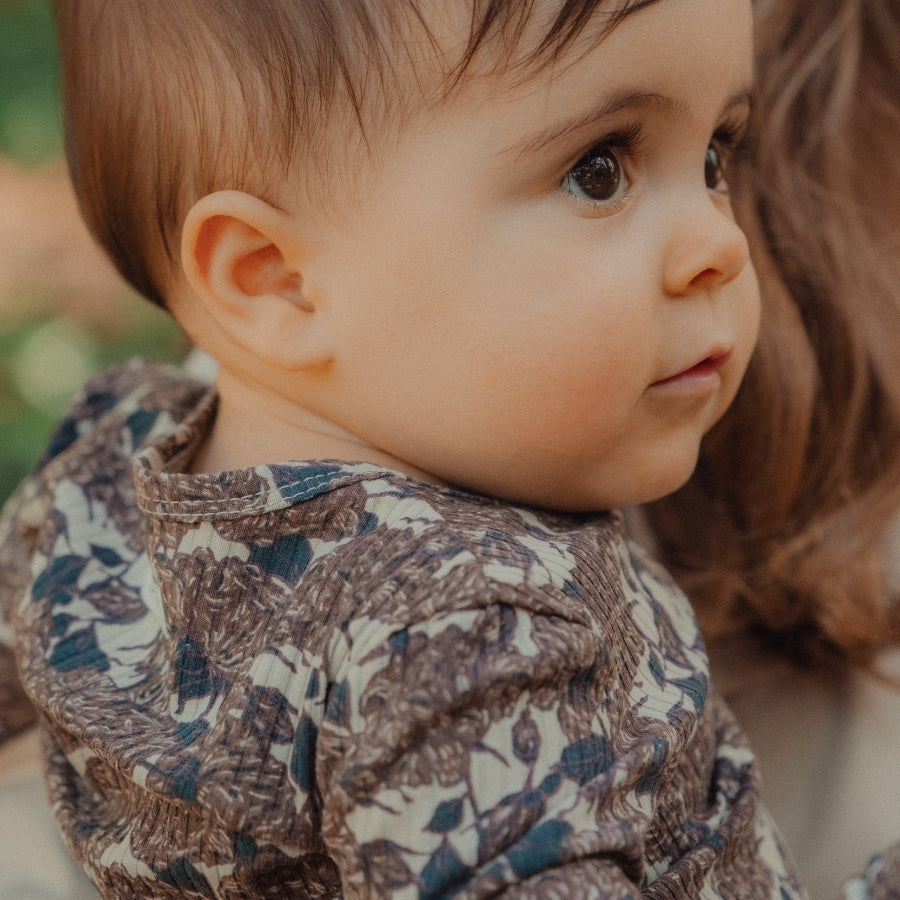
{"type": "Point", "coordinates": [707, 277]}
{"type": "Point", "coordinates": [707, 274]}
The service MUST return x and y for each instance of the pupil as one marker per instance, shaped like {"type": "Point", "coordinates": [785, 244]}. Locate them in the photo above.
{"type": "Point", "coordinates": [599, 176]}
{"type": "Point", "coordinates": [713, 168]}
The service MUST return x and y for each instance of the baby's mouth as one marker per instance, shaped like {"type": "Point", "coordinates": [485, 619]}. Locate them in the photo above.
{"type": "Point", "coordinates": [709, 365]}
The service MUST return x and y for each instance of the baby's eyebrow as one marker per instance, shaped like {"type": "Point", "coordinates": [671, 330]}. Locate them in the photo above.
{"type": "Point", "coordinates": [644, 100]}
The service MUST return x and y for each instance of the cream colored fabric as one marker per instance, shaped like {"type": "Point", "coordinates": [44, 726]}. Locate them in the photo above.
{"type": "Point", "coordinates": [34, 863]}
{"type": "Point", "coordinates": [828, 752]}
{"type": "Point", "coordinates": [827, 749]}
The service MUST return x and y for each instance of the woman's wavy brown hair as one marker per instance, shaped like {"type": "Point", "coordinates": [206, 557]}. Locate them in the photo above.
{"type": "Point", "coordinates": [782, 531]}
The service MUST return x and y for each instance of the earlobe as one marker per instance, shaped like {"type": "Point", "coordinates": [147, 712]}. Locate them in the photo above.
{"type": "Point", "coordinates": [241, 259]}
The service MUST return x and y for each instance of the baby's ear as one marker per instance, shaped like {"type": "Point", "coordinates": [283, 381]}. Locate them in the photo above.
{"type": "Point", "coordinates": [241, 257]}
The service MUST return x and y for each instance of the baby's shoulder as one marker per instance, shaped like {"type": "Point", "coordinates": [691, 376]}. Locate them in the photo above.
{"type": "Point", "coordinates": [435, 551]}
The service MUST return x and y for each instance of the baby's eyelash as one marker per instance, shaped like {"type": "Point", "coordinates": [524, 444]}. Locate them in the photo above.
{"type": "Point", "coordinates": [731, 137]}
{"type": "Point", "coordinates": [627, 141]}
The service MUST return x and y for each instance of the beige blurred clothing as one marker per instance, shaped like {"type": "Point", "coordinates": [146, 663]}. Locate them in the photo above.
{"type": "Point", "coordinates": [828, 751]}
{"type": "Point", "coordinates": [34, 862]}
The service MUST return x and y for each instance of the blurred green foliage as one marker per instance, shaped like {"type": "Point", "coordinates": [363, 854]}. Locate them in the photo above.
{"type": "Point", "coordinates": [41, 361]}
{"type": "Point", "coordinates": [29, 119]}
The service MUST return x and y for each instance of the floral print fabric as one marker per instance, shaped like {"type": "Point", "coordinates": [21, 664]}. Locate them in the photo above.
{"type": "Point", "coordinates": [326, 680]}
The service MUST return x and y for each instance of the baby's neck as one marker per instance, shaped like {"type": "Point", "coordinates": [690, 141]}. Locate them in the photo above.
{"type": "Point", "coordinates": [256, 426]}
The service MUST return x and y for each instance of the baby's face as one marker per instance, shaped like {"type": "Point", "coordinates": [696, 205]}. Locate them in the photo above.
{"type": "Point", "coordinates": [545, 296]}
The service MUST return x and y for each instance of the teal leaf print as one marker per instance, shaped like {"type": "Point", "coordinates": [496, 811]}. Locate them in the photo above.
{"type": "Point", "coordinates": [587, 758]}
{"type": "Point", "coordinates": [444, 871]}
{"type": "Point", "coordinates": [304, 752]}
{"type": "Point", "coordinates": [79, 651]}
{"type": "Point", "coordinates": [542, 848]}
{"type": "Point", "coordinates": [447, 816]}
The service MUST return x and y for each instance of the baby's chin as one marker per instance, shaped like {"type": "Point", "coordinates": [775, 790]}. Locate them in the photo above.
{"type": "Point", "coordinates": [587, 498]}
{"type": "Point", "coordinates": [652, 483]}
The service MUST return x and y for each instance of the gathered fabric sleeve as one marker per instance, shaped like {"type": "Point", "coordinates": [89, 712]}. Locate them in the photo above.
{"type": "Point", "coordinates": [461, 757]}
{"type": "Point", "coordinates": [16, 712]}
{"type": "Point", "coordinates": [20, 522]}
{"type": "Point", "coordinates": [511, 748]}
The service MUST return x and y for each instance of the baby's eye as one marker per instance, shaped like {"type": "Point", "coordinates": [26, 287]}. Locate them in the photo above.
{"type": "Point", "coordinates": [714, 169]}
{"type": "Point", "coordinates": [597, 176]}
{"type": "Point", "coordinates": [726, 146]}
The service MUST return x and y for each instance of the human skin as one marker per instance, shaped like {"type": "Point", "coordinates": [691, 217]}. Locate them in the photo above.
{"type": "Point", "coordinates": [475, 316]}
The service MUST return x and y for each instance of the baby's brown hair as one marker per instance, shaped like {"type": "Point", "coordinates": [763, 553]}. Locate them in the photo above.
{"type": "Point", "coordinates": [165, 102]}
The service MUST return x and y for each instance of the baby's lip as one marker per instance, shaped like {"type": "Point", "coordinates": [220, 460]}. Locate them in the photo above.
{"type": "Point", "coordinates": [711, 362]}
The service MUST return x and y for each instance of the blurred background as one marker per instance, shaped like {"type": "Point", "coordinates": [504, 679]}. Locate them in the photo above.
{"type": "Point", "coordinates": [64, 312]}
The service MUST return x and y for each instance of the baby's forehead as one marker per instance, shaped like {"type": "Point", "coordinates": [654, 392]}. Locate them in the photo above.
{"type": "Point", "coordinates": [453, 38]}
{"type": "Point", "coordinates": [427, 55]}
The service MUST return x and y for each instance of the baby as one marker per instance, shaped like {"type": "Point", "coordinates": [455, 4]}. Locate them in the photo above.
{"type": "Point", "coordinates": [362, 621]}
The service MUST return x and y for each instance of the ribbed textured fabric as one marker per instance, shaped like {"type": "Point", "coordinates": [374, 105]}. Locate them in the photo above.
{"type": "Point", "coordinates": [319, 679]}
